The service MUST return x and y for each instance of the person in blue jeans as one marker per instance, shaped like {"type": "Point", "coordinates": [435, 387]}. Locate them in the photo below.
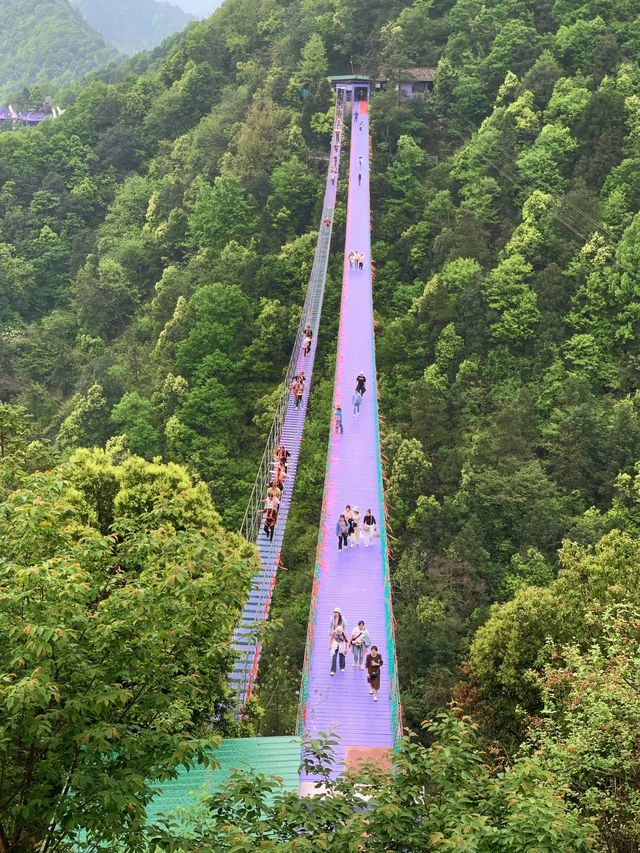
{"type": "Point", "coordinates": [359, 642]}
{"type": "Point", "coordinates": [342, 532]}
{"type": "Point", "coordinates": [356, 400]}
{"type": "Point", "coordinates": [339, 646]}
{"type": "Point", "coordinates": [338, 420]}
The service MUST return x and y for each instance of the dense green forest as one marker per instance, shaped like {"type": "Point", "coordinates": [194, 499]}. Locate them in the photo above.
{"type": "Point", "coordinates": [155, 243]}
{"type": "Point", "coordinates": [46, 42]}
{"type": "Point", "coordinates": [133, 27]}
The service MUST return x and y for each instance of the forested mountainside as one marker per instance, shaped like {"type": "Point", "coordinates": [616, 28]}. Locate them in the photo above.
{"type": "Point", "coordinates": [46, 42]}
{"type": "Point", "coordinates": [133, 27]}
{"type": "Point", "coordinates": [155, 243]}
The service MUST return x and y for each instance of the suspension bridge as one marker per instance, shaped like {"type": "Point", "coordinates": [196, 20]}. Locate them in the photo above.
{"type": "Point", "coordinates": [355, 579]}
{"type": "Point", "coordinates": [29, 116]}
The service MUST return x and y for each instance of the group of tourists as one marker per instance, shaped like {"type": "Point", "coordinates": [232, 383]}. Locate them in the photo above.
{"type": "Point", "coordinates": [351, 527]}
{"type": "Point", "coordinates": [336, 147]}
{"type": "Point", "coordinates": [275, 490]}
{"type": "Point", "coordinates": [366, 656]}
{"type": "Point", "coordinates": [356, 260]}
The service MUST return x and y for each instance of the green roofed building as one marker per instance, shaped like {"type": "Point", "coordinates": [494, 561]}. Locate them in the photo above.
{"type": "Point", "coordinates": [270, 756]}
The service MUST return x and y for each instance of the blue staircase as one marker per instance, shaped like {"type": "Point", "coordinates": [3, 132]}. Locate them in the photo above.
{"type": "Point", "coordinates": [287, 430]}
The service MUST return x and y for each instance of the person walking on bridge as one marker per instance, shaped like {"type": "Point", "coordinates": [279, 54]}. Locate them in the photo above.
{"type": "Point", "coordinates": [354, 523]}
{"type": "Point", "coordinates": [270, 523]}
{"type": "Point", "coordinates": [281, 456]}
{"type": "Point", "coordinates": [339, 646]}
{"type": "Point", "coordinates": [337, 628]}
{"type": "Point", "coordinates": [373, 664]}
{"type": "Point", "coordinates": [368, 527]}
{"type": "Point", "coordinates": [297, 389]}
{"type": "Point", "coordinates": [338, 421]}
{"type": "Point", "coordinates": [342, 532]}
{"type": "Point", "coordinates": [336, 619]}
{"type": "Point", "coordinates": [361, 384]}
{"type": "Point", "coordinates": [359, 642]}
{"type": "Point", "coordinates": [356, 401]}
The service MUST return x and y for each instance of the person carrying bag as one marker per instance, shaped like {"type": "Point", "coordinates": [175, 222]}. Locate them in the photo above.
{"type": "Point", "coordinates": [369, 528]}
{"type": "Point", "coordinates": [359, 642]}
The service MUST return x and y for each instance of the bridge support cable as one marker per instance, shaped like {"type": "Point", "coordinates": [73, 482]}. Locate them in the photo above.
{"type": "Point", "coordinates": [286, 431]}
{"type": "Point", "coordinates": [355, 579]}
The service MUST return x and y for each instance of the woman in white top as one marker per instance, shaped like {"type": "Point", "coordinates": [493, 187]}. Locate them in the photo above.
{"type": "Point", "coordinates": [354, 539]}
{"type": "Point", "coordinates": [368, 527]}
{"type": "Point", "coordinates": [359, 642]}
{"type": "Point", "coordinates": [338, 643]}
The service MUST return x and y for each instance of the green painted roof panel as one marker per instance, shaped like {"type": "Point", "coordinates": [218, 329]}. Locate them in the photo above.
{"type": "Point", "coordinates": [273, 756]}
{"type": "Point", "coordinates": [350, 78]}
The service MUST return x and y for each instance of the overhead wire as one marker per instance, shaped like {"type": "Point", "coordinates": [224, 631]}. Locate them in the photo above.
{"type": "Point", "coordinates": [466, 129]}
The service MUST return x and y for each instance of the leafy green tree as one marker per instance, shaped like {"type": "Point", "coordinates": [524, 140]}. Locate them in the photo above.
{"type": "Point", "coordinates": [14, 428]}
{"type": "Point", "coordinates": [514, 302]}
{"type": "Point", "coordinates": [112, 667]}
{"type": "Point", "coordinates": [262, 143]}
{"type": "Point", "coordinates": [409, 477]}
{"type": "Point", "coordinates": [221, 213]}
{"type": "Point", "coordinates": [313, 63]}
{"type": "Point", "coordinates": [86, 424]}
{"type": "Point", "coordinates": [514, 640]}
{"type": "Point", "coordinates": [217, 318]}
{"type": "Point", "coordinates": [442, 796]}
{"type": "Point", "coordinates": [137, 418]}
{"type": "Point", "coordinates": [294, 192]}
{"type": "Point", "coordinates": [587, 734]}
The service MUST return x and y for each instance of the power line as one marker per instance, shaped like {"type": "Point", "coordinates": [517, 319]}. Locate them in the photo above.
{"type": "Point", "coordinates": [466, 128]}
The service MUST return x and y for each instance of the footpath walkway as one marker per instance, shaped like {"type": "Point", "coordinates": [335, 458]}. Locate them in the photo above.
{"type": "Point", "coordinates": [355, 580]}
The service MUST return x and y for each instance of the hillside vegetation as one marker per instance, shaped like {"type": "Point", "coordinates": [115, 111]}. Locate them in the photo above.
{"type": "Point", "coordinates": [133, 27]}
{"type": "Point", "coordinates": [46, 42]}
{"type": "Point", "coordinates": [155, 243]}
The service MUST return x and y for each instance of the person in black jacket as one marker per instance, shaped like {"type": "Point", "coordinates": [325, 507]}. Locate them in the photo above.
{"type": "Point", "coordinates": [368, 527]}
{"type": "Point", "coordinates": [361, 384]}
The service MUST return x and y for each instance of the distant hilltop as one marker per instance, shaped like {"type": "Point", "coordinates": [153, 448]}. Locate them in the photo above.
{"type": "Point", "coordinates": [199, 8]}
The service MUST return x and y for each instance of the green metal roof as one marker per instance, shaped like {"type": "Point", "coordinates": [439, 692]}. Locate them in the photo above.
{"type": "Point", "coordinates": [272, 756]}
{"type": "Point", "coordinates": [351, 78]}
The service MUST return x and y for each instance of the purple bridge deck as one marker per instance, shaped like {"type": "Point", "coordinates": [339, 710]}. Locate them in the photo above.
{"type": "Point", "coordinates": [356, 580]}
{"type": "Point", "coordinates": [28, 117]}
